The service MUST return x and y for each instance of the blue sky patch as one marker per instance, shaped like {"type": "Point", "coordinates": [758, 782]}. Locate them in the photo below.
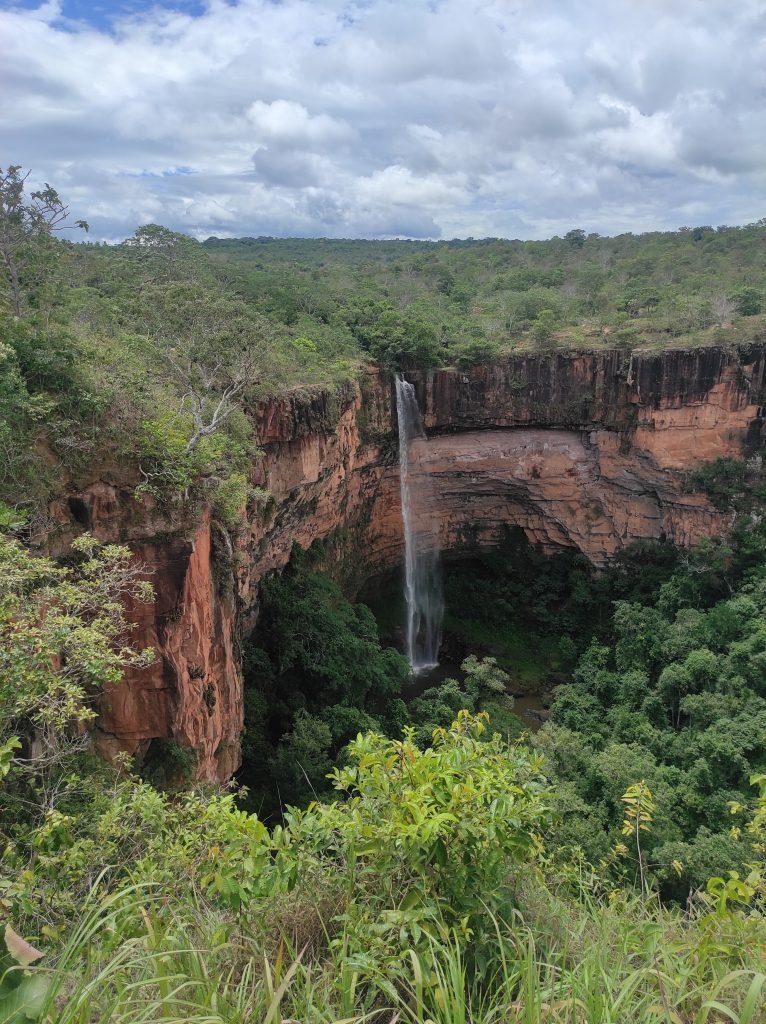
{"type": "Point", "coordinates": [102, 14]}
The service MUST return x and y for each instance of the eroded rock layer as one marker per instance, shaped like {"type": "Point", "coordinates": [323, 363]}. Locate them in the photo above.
{"type": "Point", "coordinates": [583, 450]}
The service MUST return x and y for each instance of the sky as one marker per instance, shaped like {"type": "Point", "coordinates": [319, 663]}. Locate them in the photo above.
{"type": "Point", "coordinates": [389, 118]}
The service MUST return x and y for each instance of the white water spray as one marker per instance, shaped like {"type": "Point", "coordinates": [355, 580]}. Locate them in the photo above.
{"type": "Point", "coordinates": [422, 581]}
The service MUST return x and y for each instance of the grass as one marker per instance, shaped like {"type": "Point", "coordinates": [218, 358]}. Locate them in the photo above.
{"type": "Point", "coordinates": [555, 960]}
{"type": "Point", "coordinates": [614, 965]}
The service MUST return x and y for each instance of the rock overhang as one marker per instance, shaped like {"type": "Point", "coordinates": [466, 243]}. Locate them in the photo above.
{"type": "Point", "coordinates": [583, 450]}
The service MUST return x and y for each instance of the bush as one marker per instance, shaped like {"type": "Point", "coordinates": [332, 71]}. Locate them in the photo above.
{"type": "Point", "coordinates": [543, 327]}
{"type": "Point", "coordinates": [167, 765]}
{"type": "Point", "coordinates": [748, 301]}
{"type": "Point", "coordinates": [230, 499]}
{"type": "Point", "coordinates": [434, 832]}
{"type": "Point", "coordinates": [477, 352]}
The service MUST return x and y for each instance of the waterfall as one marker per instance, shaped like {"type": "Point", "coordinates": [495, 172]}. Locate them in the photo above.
{"type": "Point", "coordinates": [422, 581]}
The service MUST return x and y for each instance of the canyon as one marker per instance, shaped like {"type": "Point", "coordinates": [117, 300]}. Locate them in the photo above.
{"type": "Point", "coordinates": [581, 450]}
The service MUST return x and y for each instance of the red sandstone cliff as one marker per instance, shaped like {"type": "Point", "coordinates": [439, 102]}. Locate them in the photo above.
{"type": "Point", "coordinates": [579, 450]}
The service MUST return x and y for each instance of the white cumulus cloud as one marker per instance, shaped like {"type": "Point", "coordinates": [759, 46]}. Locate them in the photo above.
{"type": "Point", "coordinates": [434, 118]}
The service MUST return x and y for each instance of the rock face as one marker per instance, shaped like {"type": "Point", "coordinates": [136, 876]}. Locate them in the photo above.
{"type": "Point", "coordinates": [581, 450]}
{"type": "Point", "coordinates": [564, 489]}
{"type": "Point", "coordinates": [193, 693]}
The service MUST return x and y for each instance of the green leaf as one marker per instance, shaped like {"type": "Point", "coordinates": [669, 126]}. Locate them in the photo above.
{"type": "Point", "coordinates": [26, 1001]}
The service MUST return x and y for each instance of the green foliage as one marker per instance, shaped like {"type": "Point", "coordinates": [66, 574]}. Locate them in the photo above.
{"type": "Point", "coordinates": [230, 499]}
{"type": "Point", "coordinates": [63, 638]}
{"type": "Point", "coordinates": [731, 483]}
{"type": "Point", "coordinates": [112, 334]}
{"type": "Point", "coordinates": [21, 413]}
{"type": "Point", "coordinates": [748, 301]}
{"type": "Point", "coordinates": [433, 831]}
{"type": "Point", "coordinates": [167, 765]}
{"type": "Point", "coordinates": [673, 288]}
{"type": "Point", "coordinates": [157, 254]}
{"type": "Point", "coordinates": [417, 886]}
{"type": "Point", "coordinates": [164, 450]}
{"type": "Point", "coordinates": [483, 688]}
{"type": "Point", "coordinates": [26, 225]}
{"type": "Point", "coordinates": [639, 814]}
{"type": "Point", "coordinates": [23, 994]}
{"type": "Point", "coordinates": [543, 326]}
{"type": "Point", "coordinates": [675, 698]}
{"type": "Point", "coordinates": [440, 827]}
{"type": "Point", "coordinates": [6, 755]}
{"type": "Point", "coordinates": [476, 352]}
{"type": "Point", "coordinates": [419, 893]}
{"type": "Point", "coordinates": [63, 630]}
{"type": "Point", "coordinates": [538, 613]}
{"type": "Point", "coordinates": [575, 237]}
{"type": "Point", "coordinates": [169, 465]}
{"type": "Point", "coordinates": [317, 676]}
{"type": "Point", "coordinates": [400, 341]}
{"type": "Point", "coordinates": [304, 344]}
{"type": "Point", "coordinates": [105, 336]}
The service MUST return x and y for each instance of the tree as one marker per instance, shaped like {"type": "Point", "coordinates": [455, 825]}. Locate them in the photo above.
{"type": "Point", "coordinates": [723, 308]}
{"type": "Point", "coordinates": [748, 301]}
{"type": "Point", "coordinates": [399, 340]}
{"type": "Point", "coordinates": [211, 346]}
{"type": "Point", "coordinates": [639, 812]}
{"type": "Point", "coordinates": [163, 254]}
{"type": "Point", "coordinates": [486, 674]}
{"type": "Point", "coordinates": [576, 238]}
{"type": "Point", "coordinates": [26, 224]}
{"type": "Point", "coordinates": [211, 391]}
{"type": "Point", "coordinates": [452, 820]}
{"type": "Point", "coordinates": [63, 637]}
{"type": "Point", "coordinates": [542, 328]}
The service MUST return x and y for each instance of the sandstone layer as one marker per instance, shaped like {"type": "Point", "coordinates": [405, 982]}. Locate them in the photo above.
{"type": "Point", "coordinates": [563, 489]}
{"type": "Point", "coordinates": [581, 450]}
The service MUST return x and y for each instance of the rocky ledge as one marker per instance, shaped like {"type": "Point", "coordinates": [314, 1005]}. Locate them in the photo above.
{"type": "Point", "coordinates": [580, 450]}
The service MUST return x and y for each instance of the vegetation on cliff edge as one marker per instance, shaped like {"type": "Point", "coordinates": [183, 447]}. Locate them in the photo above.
{"type": "Point", "coordinates": [151, 353]}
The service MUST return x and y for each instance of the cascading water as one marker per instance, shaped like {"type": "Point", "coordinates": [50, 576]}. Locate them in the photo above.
{"type": "Point", "coordinates": [422, 580]}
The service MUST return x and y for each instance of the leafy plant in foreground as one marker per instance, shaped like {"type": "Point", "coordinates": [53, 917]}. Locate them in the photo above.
{"type": "Point", "coordinates": [430, 834]}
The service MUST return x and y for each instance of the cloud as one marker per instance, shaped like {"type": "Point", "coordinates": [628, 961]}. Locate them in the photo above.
{"type": "Point", "coordinates": [285, 121]}
{"type": "Point", "coordinates": [426, 118]}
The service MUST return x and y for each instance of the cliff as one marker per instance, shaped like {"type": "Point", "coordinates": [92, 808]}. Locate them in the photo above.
{"type": "Point", "coordinates": [583, 450]}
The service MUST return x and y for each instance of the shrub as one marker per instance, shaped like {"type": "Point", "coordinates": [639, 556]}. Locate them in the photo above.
{"type": "Point", "coordinates": [230, 499]}
{"type": "Point", "coordinates": [477, 352]}
{"type": "Point", "coordinates": [443, 826]}
{"type": "Point", "coordinates": [168, 765]}
{"type": "Point", "coordinates": [748, 301]}
{"type": "Point", "coordinates": [542, 328]}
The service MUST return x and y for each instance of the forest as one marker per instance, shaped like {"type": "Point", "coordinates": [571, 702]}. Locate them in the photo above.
{"type": "Point", "coordinates": [386, 852]}
{"type": "Point", "coordinates": [462, 302]}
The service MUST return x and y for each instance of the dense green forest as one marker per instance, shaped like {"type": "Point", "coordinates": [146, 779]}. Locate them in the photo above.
{"type": "Point", "coordinates": [389, 853]}
{"type": "Point", "coordinates": [460, 302]}
{"type": "Point", "coordinates": [656, 670]}
{"type": "Point", "coordinates": [131, 348]}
